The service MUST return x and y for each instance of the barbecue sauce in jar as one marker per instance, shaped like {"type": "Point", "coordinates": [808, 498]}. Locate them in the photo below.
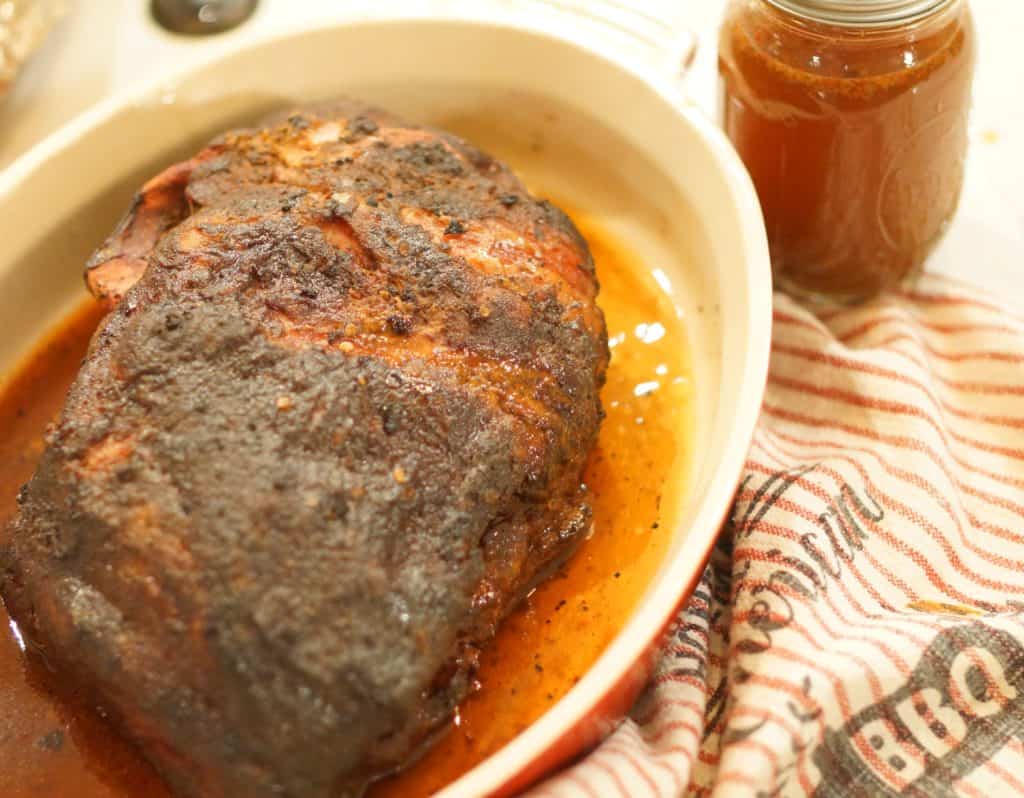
{"type": "Point", "coordinates": [852, 120]}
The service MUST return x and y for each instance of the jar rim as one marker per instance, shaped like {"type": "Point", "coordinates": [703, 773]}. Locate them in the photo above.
{"type": "Point", "coordinates": [862, 13]}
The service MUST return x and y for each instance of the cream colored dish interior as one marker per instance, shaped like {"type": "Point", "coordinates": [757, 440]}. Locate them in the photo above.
{"type": "Point", "coordinates": [576, 125]}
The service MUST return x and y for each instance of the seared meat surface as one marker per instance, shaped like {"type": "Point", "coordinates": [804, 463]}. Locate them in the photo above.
{"type": "Point", "coordinates": [331, 431]}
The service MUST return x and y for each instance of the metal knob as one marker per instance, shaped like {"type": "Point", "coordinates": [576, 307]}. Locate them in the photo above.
{"type": "Point", "coordinates": [202, 17]}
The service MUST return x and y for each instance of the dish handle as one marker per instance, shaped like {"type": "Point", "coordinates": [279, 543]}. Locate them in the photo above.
{"type": "Point", "coordinates": [657, 30]}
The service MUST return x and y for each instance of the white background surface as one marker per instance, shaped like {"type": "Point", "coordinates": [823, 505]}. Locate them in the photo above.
{"type": "Point", "coordinates": [106, 45]}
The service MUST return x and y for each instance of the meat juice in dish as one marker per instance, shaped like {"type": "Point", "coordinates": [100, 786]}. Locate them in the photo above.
{"type": "Point", "coordinates": [543, 649]}
{"type": "Point", "coordinates": [56, 744]}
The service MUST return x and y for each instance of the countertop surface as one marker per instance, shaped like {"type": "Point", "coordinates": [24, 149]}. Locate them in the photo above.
{"type": "Point", "coordinates": [106, 45]}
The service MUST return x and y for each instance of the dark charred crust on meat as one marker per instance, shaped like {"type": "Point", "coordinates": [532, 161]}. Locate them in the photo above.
{"type": "Point", "coordinates": [400, 325]}
{"type": "Point", "coordinates": [429, 160]}
{"type": "Point", "coordinates": [362, 126]}
{"type": "Point", "coordinates": [331, 436]}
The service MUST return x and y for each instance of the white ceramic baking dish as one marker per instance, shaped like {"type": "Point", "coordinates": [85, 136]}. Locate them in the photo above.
{"type": "Point", "coordinates": [607, 131]}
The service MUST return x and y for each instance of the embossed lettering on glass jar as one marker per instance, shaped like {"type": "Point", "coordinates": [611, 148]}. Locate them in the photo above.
{"type": "Point", "coordinates": [852, 119]}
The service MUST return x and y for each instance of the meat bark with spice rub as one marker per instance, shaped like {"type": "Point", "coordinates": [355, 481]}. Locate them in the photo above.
{"type": "Point", "coordinates": [330, 433]}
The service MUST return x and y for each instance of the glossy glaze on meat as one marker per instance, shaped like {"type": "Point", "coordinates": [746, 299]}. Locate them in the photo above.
{"type": "Point", "coordinates": [331, 431]}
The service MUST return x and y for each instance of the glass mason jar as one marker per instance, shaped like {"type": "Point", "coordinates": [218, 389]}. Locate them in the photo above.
{"type": "Point", "coordinates": [851, 116]}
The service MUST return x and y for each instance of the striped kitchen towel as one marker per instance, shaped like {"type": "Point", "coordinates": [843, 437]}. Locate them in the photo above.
{"type": "Point", "coordinates": [860, 628]}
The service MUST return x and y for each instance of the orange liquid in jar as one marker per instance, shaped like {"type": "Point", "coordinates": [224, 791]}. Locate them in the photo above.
{"type": "Point", "coordinates": [56, 745]}
{"type": "Point", "coordinates": [855, 138]}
